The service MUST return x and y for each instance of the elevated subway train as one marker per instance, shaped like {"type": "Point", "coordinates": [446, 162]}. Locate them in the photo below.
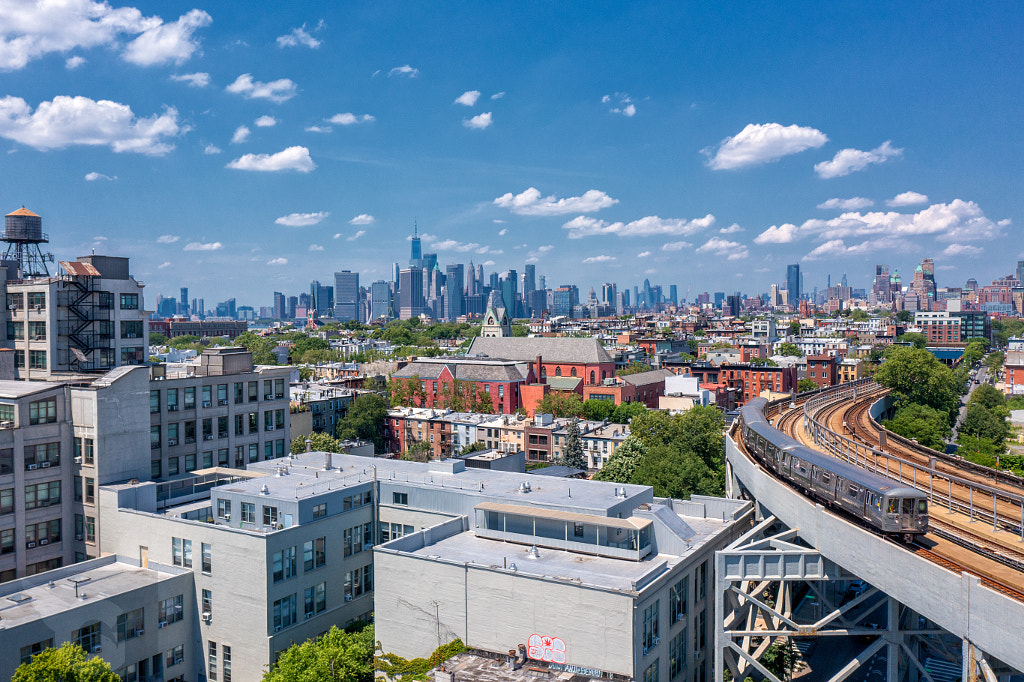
{"type": "Point", "coordinates": [878, 502]}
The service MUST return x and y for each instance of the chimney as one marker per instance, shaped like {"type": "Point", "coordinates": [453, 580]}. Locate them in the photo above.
{"type": "Point", "coordinates": [538, 370]}
{"type": "Point", "coordinates": [327, 461]}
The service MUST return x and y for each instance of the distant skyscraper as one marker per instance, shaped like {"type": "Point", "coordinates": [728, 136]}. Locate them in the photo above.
{"type": "Point", "coordinates": [1020, 271]}
{"type": "Point", "coordinates": [322, 299]}
{"type": "Point", "coordinates": [416, 258]}
{"type": "Point", "coordinates": [183, 302]}
{"type": "Point", "coordinates": [346, 296]}
{"type": "Point", "coordinates": [566, 298]}
{"type": "Point", "coordinates": [479, 279]}
{"type": "Point", "coordinates": [719, 299]}
{"type": "Point", "coordinates": [543, 282]}
{"type": "Point", "coordinates": [530, 282]}
{"type": "Point", "coordinates": [454, 303]}
{"type": "Point", "coordinates": [410, 293]}
{"type": "Point", "coordinates": [608, 293]}
{"type": "Point", "coordinates": [672, 293]}
{"type": "Point", "coordinates": [471, 280]}
{"type": "Point", "coordinates": [793, 283]}
{"type": "Point", "coordinates": [510, 292]}
{"type": "Point", "coordinates": [293, 303]}
{"type": "Point", "coordinates": [395, 269]}
{"type": "Point", "coordinates": [279, 305]}
{"type": "Point", "coordinates": [380, 301]}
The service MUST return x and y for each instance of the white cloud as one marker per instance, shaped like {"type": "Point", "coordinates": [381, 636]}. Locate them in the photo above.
{"type": "Point", "coordinates": [851, 204]}
{"type": "Point", "coordinates": [292, 158]}
{"type": "Point", "coordinates": [724, 248]}
{"type": "Point", "coordinates": [315, 247]}
{"type": "Point", "coordinates": [29, 30]}
{"type": "Point", "coordinates": [468, 98]}
{"type": "Point", "coordinates": [277, 261]}
{"type": "Point", "coordinates": [625, 104]}
{"type": "Point", "coordinates": [498, 95]}
{"type": "Point", "coordinates": [478, 122]}
{"type": "Point", "coordinates": [72, 63]}
{"type": "Point", "coordinates": [461, 247]}
{"type": "Point", "coordinates": [167, 239]}
{"type": "Point", "coordinates": [847, 161]}
{"type": "Point", "coordinates": [907, 199]}
{"type": "Point", "coordinates": [298, 36]}
{"type": "Point", "coordinates": [829, 249]}
{"type": "Point", "coordinates": [761, 143]}
{"type": "Point", "coordinates": [599, 259]}
{"type": "Point", "coordinates": [582, 226]}
{"type": "Point", "coordinates": [211, 149]}
{"type": "Point", "coordinates": [319, 129]}
{"type": "Point", "coordinates": [196, 80]}
{"type": "Point", "coordinates": [354, 237]}
{"type": "Point", "coordinates": [777, 234]}
{"type": "Point", "coordinates": [362, 219]}
{"type": "Point", "coordinates": [676, 246]}
{"type": "Point", "coordinates": [643, 254]}
{"type": "Point", "coordinates": [200, 246]}
{"type": "Point", "coordinates": [165, 264]}
{"type": "Point", "coordinates": [266, 121]}
{"type": "Point", "coordinates": [171, 42]}
{"type": "Point", "coordinates": [629, 111]}
{"type": "Point", "coordinates": [530, 202]}
{"type": "Point", "coordinates": [502, 232]}
{"type": "Point", "coordinates": [241, 135]}
{"type": "Point", "coordinates": [93, 176]}
{"type": "Point", "coordinates": [406, 71]}
{"type": "Point", "coordinates": [961, 250]}
{"type": "Point", "coordinates": [348, 119]}
{"type": "Point", "coordinates": [302, 219]}
{"type": "Point", "coordinates": [277, 91]}
{"type": "Point", "coordinates": [532, 259]}
{"type": "Point", "coordinates": [545, 248]}
{"type": "Point", "coordinates": [67, 121]}
{"type": "Point", "coordinates": [732, 229]}
{"type": "Point", "coordinates": [487, 263]}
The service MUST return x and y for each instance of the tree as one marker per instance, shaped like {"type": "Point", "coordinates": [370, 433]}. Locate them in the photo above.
{"type": "Point", "coordinates": [561, 405]}
{"type": "Point", "coordinates": [925, 424]}
{"type": "Point", "coordinates": [620, 466]}
{"type": "Point", "coordinates": [69, 663]}
{"type": "Point", "coordinates": [262, 348]}
{"type": "Point", "coordinates": [780, 659]}
{"type": "Point", "coordinates": [322, 442]}
{"type": "Point", "coordinates": [572, 450]}
{"type": "Point", "coordinates": [989, 397]}
{"type": "Point", "coordinates": [904, 316]}
{"type": "Point", "coordinates": [624, 412]}
{"type": "Point", "coordinates": [806, 385]}
{"type": "Point", "coordinates": [475, 446]}
{"type": "Point", "coordinates": [995, 360]}
{"type": "Point", "coordinates": [983, 423]}
{"type": "Point", "coordinates": [763, 362]}
{"type": "Point", "coordinates": [598, 410]}
{"type": "Point", "coordinates": [635, 367]}
{"type": "Point", "coordinates": [364, 420]}
{"type": "Point", "coordinates": [917, 340]}
{"type": "Point", "coordinates": [303, 344]}
{"type": "Point", "coordinates": [790, 349]}
{"type": "Point", "coordinates": [916, 376]}
{"type": "Point", "coordinates": [338, 656]}
{"type": "Point", "coordinates": [858, 315]}
{"type": "Point", "coordinates": [794, 328]}
{"type": "Point", "coordinates": [417, 452]}
{"type": "Point", "coordinates": [685, 452]}
{"type": "Point", "coordinates": [156, 339]}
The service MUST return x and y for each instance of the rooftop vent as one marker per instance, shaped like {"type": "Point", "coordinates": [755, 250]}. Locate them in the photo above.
{"type": "Point", "coordinates": [264, 490]}
{"type": "Point", "coordinates": [524, 487]}
{"type": "Point", "coordinates": [533, 552]}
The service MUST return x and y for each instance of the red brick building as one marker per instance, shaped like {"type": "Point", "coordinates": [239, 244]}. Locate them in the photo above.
{"type": "Point", "coordinates": [745, 381]}
{"type": "Point", "coordinates": [500, 379]}
{"type": "Point", "coordinates": [643, 387]}
{"type": "Point", "coordinates": [585, 358]}
{"type": "Point", "coordinates": [821, 369]}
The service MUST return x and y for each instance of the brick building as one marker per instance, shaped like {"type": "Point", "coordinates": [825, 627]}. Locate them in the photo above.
{"type": "Point", "coordinates": [644, 387]}
{"type": "Point", "coordinates": [821, 369]}
{"type": "Point", "coordinates": [557, 356]}
{"type": "Point", "coordinates": [500, 379]}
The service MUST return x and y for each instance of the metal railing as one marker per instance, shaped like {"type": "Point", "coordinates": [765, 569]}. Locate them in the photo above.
{"type": "Point", "coordinates": [983, 501]}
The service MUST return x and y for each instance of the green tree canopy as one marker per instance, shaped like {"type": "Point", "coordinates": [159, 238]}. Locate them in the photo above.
{"type": "Point", "coordinates": [620, 466]}
{"type": "Point", "coordinates": [858, 315]}
{"type": "Point", "coordinates": [364, 420]}
{"type": "Point", "coordinates": [69, 663]}
{"type": "Point", "coordinates": [624, 412]}
{"type": "Point", "coordinates": [929, 426]}
{"type": "Point", "coordinates": [988, 396]}
{"type": "Point", "coordinates": [322, 442]}
{"type": "Point", "coordinates": [915, 339]}
{"type": "Point", "coordinates": [806, 385]}
{"type": "Point", "coordinates": [338, 656]}
{"type": "Point", "coordinates": [794, 328]}
{"type": "Point", "coordinates": [572, 449]}
{"type": "Point", "coordinates": [635, 367]}
{"type": "Point", "coordinates": [904, 316]}
{"type": "Point", "coordinates": [561, 405]}
{"type": "Point", "coordinates": [598, 410]}
{"type": "Point", "coordinates": [790, 349]}
{"type": "Point", "coordinates": [685, 452]}
{"type": "Point", "coordinates": [983, 423]}
{"type": "Point", "coordinates": [916, 376]}
{"type": "Point", "coordinates": [156, 339]}
{"type": "Point", "coordinates": [261, 347]}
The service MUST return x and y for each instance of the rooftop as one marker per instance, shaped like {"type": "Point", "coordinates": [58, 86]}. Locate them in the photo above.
{"type": "Point", "coordinates": [551, 349]}
{"type": "Point", "coordinates": [20, 389]}
{"type": "Point", "coordinates": [53, 592]}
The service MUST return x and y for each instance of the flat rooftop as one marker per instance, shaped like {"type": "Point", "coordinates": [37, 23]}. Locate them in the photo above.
{"type": "Point", "coordinates": [52, 593]}
{"type": "Point", "coordinates": [306, 477]}
{"type": "Point", "coordinates": [471, 667]}
{"type": "Point", "coordinates": [19, 389]}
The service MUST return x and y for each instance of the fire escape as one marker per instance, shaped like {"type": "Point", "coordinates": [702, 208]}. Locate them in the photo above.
{"type": "Point", "coordinates": [86, 327]}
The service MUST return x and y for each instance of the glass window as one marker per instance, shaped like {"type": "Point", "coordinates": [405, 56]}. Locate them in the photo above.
{"type": "Point", "coordinates": [223, 508]}
{"type": "Point", "coordinates": [27, 652]}
{"type": "Point", "coordinates": [129, 301]}
{"type": "Point", "coordinates": [6, 414]}
{"type": "Point", "coordinates": [248, 512]}
{"type": "Point", "coordinates": [284, 564]}
{"type": "Point", "coordinates": [37, 299]}
{"type": "Point", "coordinates": [284, 612]}
{"type": "Point", "coordinates": [222, 394]}
{"type": "Point", "coordinates": [42, 411]}
{"type": "Point", "coordinates": [37, 331]}
{"type": "Point", "coordinates": [190, 397]}
{"type": "Point", "coordinates": [87, 637]}
{"type": "Point", "coordinates": [677, 599]}
{"type": "Point", "coordinates": [225, 657]}
{"type": "Point", "coordinates": [269, 516]}
{"type": "Point", "coordinates": [130, 624]}
{"type": "Point", "coordinates": [400, 498]}
{"type": "Point", "coordinates": [172, 400]}
{"type": "Point", "coordinates": [207, 552]}
{"type": "Point", "coordinates": [651, 635]}
{"type": "Point", "coordinates": [171, 610]}
{"type": "Point", "coordinates": [211, 660]}
{"type": "Point", "coordinates": [207, 601]}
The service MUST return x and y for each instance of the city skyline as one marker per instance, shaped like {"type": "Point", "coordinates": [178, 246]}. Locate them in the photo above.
{"type": "Point", "coordinates": [224, 155]}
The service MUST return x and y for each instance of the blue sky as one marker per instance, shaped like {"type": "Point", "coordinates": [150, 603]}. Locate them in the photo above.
{"type": "Point", "coordinates": [706, 145]}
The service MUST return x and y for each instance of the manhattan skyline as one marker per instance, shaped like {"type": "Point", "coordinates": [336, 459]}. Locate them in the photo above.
{"type": "Point", "coordinates": [698, 146]}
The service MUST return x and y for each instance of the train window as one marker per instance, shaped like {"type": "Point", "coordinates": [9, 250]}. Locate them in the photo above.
{"type": "Point", "coordinates": [825, 477]}
{"type": "Point", "coordinates": [908, 506]}
{"type": "Point", "coordinates": [894, 506]}
{"type": "Point", "coordinates": [854, 490]}
{"type": "Point", "coordinates": [922, 507]}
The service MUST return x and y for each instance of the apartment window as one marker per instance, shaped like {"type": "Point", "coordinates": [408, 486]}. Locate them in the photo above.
{"type": "Point", "coordinates": [7, 414]}
{"type": "Point", "coordinates": [129, 301]}
{"type": "Point", "coordinates": [190, 432]}
{"type": "Point", "coordinates": [172, 400]}
{"type": "Point", "coordinates": [677, 598]}
{"type": "Point", "coordinates": [42, 494]}
{"type": "Point", "coordinates": [87, 637]}
{"type": "Point", "coordinates": [42, 411]}
{"type": "Point", "coordinates": [319, 511]}
{"type": "Point", "coordinates": [207, 601]}
{"type": "Point", "coordinates": [27, 652]}
{"type": "Point", "coordinates": [154, 401]}
{"type": "Point", "coordinates": [225, 657]}
{"type": "Point", "coordinates": [211, 660]}
{"type": "Point", "coordinates": [37, 299]}
{"type": "Point", "coordinates": [284, 564]}
{"type": "Point", "coordinates": [253, 422]}
{"type": "Point", "coordinates": [154, 437]}
{"type": "Point", "coordinates": [268, 420]}
{"type": "Point", "coordinates": [37, 331]}
{"type": "Point", "coordinates": [268, 449]}
{"type": "Point", "coordinates": [239, 425]}
{"type": "Point", "coordinates": [651, 672]}
{"type": "Point", "coordinates": [278, 388]}
{"type": "Point", "coordinates": [315, 599]}
{"type": "Point", "coordinates": [279, 446]}
{"type": "Point", "coordinates": [6, 501]}
{"type": "Point", "coordinates": [254, 391]}
{"type": "Point", "coordinates": [190, 462]}
{"type": "Point", "coordinates": [651, 625]}
{"type": "Point", "coordinates": [175, 656]}
{"type": "Point", "coordinates": [207, 555]}
{"type": "Point", "coordinates": [222, 427]}
{"type": "Point", "coordinates": [170, 610]}
{"type": "Point", "coordinates": [88, 450]}
{"type": "Point", "coordinates": [284, 612]}
{"type": "Point", "coordinates": [7, 541]}
{"type": "Point", "coordinates": [701, 582]}
{"type": "Point", "coordinates": [16, 330]}
{"type": "Point", "coordinates": [269, 516]}
{"type": "Point", "coordinates": [42, 533]}
{"type": "Point", "coordinates": [314, 553]}
{"type": "Point", "coordinates": [130, 624]}
{"type": "Point", "coordinates": [190, 397]}
{"type": "Point", "coordinates": [181, 552]}
{"type": "Point", "coordinates": [6, 460]}
{"type": "Point", "coordinates": [132, 356]}
{"type": "Point", "coordinates": [279, 419]}
{"type": "Point", "coordinates": [90, 529]}
{"type": "Point", "coordinates": [208, 459]}
{"type": "Point", "coordinates": [700, 631]}
{"type": "Point", "coordinates": [254, 452]}
{"type": "Point", "coordinates": [222, 394]}
{"type": "Point", "coordinates": [172, 434]}
{"type": "Point", "coordinates": [208, 429]}
{"type": "Point", "coordinates": [248, 512]}
{"type": "Point", "coordinates": [223, 508]}
{"type": "Point", "coordinates": [239, 456]}
{"type": "Point", "coordinates": [172, 466]}
{"type": "Point", "coordinates": [42, 455]}
{"type": "Point", "coordinates": [677, 655]}
{"type": "Point", "coordinates": [400, 498]}
{"type": "Point", "coordinates": [239, 392]}
{"type": "Point", "coordinates": [207, 396]}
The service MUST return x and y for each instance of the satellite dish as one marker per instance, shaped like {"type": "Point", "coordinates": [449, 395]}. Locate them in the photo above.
{"type": "Point", "coordinates": [80, 355]}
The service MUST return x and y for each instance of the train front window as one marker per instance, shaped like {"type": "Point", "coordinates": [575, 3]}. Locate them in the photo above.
{"type": "Point", "coordinates": [894, 506]}
{"type": "Point", "coordinates": [922, 507]}
{"type": "Point", "coordinates": [908, 505]}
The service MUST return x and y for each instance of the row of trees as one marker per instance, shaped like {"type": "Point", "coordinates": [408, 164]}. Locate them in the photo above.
{"type": "Point", "coordinates": [364, 420]}
{"type": "Point", "coordinates": [571, 405]}
{"type": "Point", "coordinates": [458, 396]}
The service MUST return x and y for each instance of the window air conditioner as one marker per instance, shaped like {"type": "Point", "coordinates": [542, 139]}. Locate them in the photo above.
{"type": "Point", "coordinates": [348, 597]}
{"type": "Point", "coordinates": [79, 537]}
{"type": "Point", "coordinates": [269, 396]}
{"type": "Point", "coordinates": [207, 403]}
{"type": "Point", "coordinates": [78, 460]}
{"type": "Point", "coordinates": [270, 427]}
{"type": "Point", "coordinates": [44, 541]}
{"type": "Point", "coordinates": [160, 625]}
{"type": "Point", "coordinates": [277, 628]}
{"type": "Point", "coordinates": [367, 547]}
{"type": "Point", "coordinates": [30, 467]}
{"type": "Point", "coordinates": [308, 616]}
{"type": "Point", "coordinates": [44, 465]}
{"type": "Point", "coordinates": [97, 649]}
{"type": "Point", "coordinates": [645, 651]}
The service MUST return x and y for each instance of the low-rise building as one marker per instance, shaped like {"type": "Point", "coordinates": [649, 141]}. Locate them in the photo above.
{"type": "Point", "coordinates": [643, 387]}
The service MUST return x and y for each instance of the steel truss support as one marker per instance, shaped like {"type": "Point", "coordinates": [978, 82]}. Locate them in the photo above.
{"type": "Point", "coordinates": [770, 588]}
